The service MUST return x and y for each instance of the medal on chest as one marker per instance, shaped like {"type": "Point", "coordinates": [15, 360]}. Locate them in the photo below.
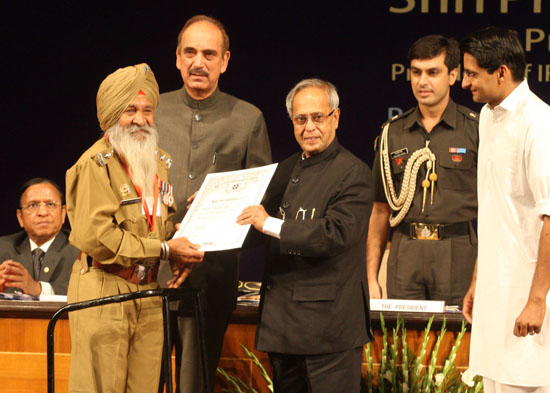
{"type": "Point", "coordinates": [166, 191]}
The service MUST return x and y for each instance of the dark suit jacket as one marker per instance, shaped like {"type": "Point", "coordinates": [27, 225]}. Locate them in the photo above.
{"type": "Point", "coordinates": [314, 294]}
{"type": "Point", "coordinates": [58, 260]}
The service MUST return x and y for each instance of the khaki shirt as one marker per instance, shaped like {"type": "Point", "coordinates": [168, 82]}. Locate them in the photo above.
{"type": "Point", "coordinates": [102, 226]}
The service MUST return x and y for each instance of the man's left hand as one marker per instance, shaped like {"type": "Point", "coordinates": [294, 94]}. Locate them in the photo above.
{"type": "Point", "coordinates": [531, 318]}
{"type": "Point", "coordinates": [180, 272]}
{"type": "Point", "coordinates": [190, 200]}
{"type": "Point", "coordinates": [16, 275]}
{"type": "Point", "coordinates": [255, 215]}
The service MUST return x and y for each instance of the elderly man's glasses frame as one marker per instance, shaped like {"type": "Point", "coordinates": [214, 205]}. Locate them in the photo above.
{"type": "Point", "coordinates": [317, 118]}
{"type": "Point", "coordinates": [33, 207]}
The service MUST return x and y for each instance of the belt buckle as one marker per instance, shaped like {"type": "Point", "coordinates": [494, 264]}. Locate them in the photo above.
{"type": "Point", "coordinates": [425, 231]}
{"type": "Point", "coordinates": [142, 271]}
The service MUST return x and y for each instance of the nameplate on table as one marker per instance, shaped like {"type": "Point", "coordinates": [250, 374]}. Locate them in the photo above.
{"type": "Point", "coordinates": [407, 305]}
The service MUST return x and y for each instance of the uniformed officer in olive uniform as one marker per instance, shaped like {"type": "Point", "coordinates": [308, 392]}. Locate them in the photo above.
{"type": "Point", "coordinates": [425, 186]}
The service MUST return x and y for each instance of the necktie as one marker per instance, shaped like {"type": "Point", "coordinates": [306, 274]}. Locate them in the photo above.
{"type": "Point", "coordinates": [37, 257]}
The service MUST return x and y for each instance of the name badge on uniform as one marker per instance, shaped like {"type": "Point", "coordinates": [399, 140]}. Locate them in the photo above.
{"type": "Point", "coordinates": [399, 156]}
{"type": "Point", "coordinates": [399, 153]}
{"type": "Point", "coordinates": [130, 201]}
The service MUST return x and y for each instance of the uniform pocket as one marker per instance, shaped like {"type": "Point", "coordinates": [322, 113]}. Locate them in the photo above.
{"type": "Point", "coordinates": [128, 218]}
{"type": "Point", "coordinates": [456, 160]}
{"type": "Point", "coordinates": [456, 171]}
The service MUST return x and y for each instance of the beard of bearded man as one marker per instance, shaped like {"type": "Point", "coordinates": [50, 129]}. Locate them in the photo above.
{"type": "Point", "coordinates": [137, 145]}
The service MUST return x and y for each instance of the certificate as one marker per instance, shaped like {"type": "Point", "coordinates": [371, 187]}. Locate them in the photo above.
{"type": "Point", "coordinates": [211, 219]}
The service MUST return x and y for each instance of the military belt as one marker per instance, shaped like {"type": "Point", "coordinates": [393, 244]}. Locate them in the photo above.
{"type": "Point", "coordinates": [136, 274]}
{"type": "Point", "coordinates": [422, 231]}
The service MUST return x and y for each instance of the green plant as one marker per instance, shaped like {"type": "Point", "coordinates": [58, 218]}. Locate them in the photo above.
{"type": "Point", "coordinates": [402, 372]}
{"type": "Point", "coordinates": [237, 384]}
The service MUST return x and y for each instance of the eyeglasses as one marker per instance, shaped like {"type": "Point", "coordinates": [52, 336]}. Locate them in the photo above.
{"type": "Point", "coordinates": [33, 207]}
{"type": "Point", "coordinates": [317, 118]}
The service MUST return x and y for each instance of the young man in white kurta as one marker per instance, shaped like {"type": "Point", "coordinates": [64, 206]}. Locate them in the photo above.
{"type": "Point", "coordinates": [510, 342]}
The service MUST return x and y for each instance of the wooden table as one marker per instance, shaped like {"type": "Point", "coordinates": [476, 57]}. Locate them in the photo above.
{"type": "Point", "coordinates": [23, 328]}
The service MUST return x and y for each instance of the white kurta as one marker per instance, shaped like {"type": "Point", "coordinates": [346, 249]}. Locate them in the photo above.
{"type": "Point", "coordinates": [514, 194]}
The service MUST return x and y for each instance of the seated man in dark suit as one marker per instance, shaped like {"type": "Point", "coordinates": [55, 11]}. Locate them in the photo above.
{"type": "Point", "coordinates": [38, 260]}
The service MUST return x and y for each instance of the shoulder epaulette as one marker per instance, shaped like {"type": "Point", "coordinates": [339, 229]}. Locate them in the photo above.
{"type": "Point", "coordinates": [164, 157]}
{"type": "Point", "coordinates": [468, 113]}
{"type": "Point", "coordinates": [101, 158]}
{"type": "Point", "coordinates": [397, 117]}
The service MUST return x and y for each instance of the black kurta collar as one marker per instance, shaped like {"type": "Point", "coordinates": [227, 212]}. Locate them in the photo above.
{"type": "Point", "coordinates": [449, 117]}
{"type": "Point", "coordinates": [200, 104]}
{"type": "Point", "coordinates": [329, 152]}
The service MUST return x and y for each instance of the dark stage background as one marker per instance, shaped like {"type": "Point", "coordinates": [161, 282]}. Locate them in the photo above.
{"type": "Point", "coordinates": [56, 53]}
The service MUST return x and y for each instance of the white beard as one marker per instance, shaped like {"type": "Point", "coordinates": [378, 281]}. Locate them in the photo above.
{"type": "Point", "coordinates": [138, 150]}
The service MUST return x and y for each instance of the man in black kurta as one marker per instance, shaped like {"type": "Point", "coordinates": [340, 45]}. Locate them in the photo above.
{"type": "Point", "coordinates": [314, 313]}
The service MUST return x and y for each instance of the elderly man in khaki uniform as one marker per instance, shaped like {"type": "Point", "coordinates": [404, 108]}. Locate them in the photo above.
{"type": "Point", "coordinates": [119, 204]}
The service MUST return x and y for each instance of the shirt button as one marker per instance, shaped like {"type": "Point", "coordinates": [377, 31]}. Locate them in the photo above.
{"type": "Point", "coordinates": [82, 271]}
{"type": "Point", "coordinates": [286, 205]}
{"type": "Point", "coordinates": [295, 180]}
{"type": "Point", "coordinates": [46, 269]}
{"type": "Point", "coordinates": [268, 286]}
{"type": "Point", "coordinates": [195, 146]}
{"type": "Point", "coordinates": [192, 177]}
{"type": "Point", "coordinates": [197, 117]}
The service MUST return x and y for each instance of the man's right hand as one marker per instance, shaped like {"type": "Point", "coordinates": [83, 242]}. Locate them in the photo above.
{"type": "Point", "coordinates": [2, 279]}
{"type": "Point", "coordinates": [468, 303]}
{"type": "Point", "coordinates": [375, 290]}
{"type": "Point", "coordinates": [14, 274]}
{"type": "Point", "coordinates": [377, 239]}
